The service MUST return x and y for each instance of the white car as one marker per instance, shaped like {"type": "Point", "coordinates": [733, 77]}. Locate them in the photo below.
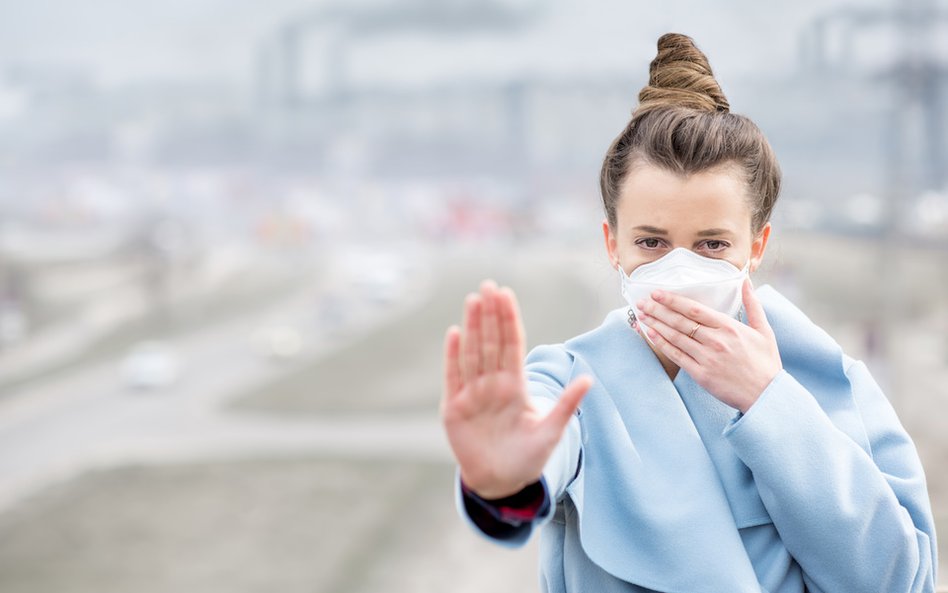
{"type": "Point", "coordinates": [150, 366]}
{"type": "Point", "coordinates": [279, 341]}
{"type": "Point", "coordinates": [13, 325]}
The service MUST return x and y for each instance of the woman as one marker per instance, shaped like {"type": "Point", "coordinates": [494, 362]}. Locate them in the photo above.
{"type": "Point", "coordinates": [710, 438]}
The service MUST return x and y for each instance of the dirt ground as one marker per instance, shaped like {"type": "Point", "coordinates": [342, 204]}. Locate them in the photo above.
{"type": "Point", "coordinates": [265, 525]}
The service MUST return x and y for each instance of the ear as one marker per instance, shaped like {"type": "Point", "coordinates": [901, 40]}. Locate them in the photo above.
{"type": "Point", "coordinates": [611, 244]}
{"type": "Point", "coordinates": [759, 246]}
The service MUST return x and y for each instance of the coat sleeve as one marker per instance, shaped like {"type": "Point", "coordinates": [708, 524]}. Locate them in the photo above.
{"type": "Point", "coordinates": [854, 521]}
{"type": "Point", "coordinates": [547, 371]}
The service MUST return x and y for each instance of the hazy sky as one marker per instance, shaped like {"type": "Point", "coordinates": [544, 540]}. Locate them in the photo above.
{"type": "Point", "coordinates": [123, 41]}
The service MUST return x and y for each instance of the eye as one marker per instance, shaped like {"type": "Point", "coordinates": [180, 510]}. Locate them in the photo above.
{"type": "Point", "coordinates": [715, 245]}
{"type": "Point", "coordinates": [649, 242]}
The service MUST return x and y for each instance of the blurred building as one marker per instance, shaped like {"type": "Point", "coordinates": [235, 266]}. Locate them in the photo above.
{"type": "Point", "coordinates": [315, 113]}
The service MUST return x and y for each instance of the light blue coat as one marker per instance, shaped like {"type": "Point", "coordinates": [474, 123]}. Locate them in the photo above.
{"type": "Point", "coordinates": [658, 486]}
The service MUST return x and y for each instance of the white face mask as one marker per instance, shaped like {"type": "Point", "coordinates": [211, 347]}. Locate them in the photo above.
{"type": "Point", "coordinates": [714, 283]}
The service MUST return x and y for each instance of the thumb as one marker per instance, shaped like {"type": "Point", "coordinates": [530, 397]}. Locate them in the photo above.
{"type": "Point", "coordinates": [756, 318]}
{"type": "Point", "coordinates": [572, 395]}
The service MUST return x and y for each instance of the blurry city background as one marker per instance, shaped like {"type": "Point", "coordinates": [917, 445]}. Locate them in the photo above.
{"type": "Point", "coordinates": [232, 235]}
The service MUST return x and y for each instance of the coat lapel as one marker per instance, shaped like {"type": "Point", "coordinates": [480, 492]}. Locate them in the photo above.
{"type": "Point", "coordinates": [652, 508]}
{"type": "Point", "coordinates": [710, 417]}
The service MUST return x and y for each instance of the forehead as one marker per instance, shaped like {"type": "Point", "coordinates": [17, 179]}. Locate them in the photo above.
{"type": "Point", "coordinates": [656, 197]}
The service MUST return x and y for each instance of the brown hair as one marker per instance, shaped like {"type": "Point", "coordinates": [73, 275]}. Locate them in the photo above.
{"type": "Point", "coordinates": [683, 124]}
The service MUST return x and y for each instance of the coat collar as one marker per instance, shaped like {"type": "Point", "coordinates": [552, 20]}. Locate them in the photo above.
{"type": "Point", "coordinates": [652, 508]}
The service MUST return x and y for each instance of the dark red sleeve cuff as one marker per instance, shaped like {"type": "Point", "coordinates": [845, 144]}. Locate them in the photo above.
{"type": "Point", "coordinates": [503, 516]}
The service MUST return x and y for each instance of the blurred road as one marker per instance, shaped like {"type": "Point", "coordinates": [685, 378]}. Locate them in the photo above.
{"type": "Point", "coordinates": [89, 418]}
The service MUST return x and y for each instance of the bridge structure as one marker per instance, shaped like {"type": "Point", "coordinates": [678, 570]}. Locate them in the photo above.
{"type": "Point", "coordinates": [283, 58]}
{"type": "Point", "coordinates": [902, 48]}
{"type": "Point", "coordinates": [915, 73]}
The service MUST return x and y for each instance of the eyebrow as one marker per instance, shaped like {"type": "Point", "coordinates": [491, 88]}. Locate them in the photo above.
{"type": "Point", "coordinates": [657, 231]}
{"type": "Point", "coordinates": [713, 232]}
{"type": "Point", "coordinates": [650, 229]}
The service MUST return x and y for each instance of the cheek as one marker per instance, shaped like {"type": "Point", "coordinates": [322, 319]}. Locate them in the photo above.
{"type": "Point", "coordinates": [631, 258]}
{"type": "Point", "coordinates": [739, 257]}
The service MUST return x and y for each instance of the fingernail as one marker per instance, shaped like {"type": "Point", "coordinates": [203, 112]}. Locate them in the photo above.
{"type": "Point", "coordinates": [658, 295]}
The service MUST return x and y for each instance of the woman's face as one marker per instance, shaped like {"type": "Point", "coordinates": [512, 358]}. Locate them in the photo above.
{"type": "Point", "coordinates": [705, 212]}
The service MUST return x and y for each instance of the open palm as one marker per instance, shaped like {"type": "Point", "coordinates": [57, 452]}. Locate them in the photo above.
{"type": "Point", "coordinates": [500, 439]}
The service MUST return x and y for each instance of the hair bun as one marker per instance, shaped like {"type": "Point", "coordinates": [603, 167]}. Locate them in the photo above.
{"type": "Point", "coordinates": [681, 76]}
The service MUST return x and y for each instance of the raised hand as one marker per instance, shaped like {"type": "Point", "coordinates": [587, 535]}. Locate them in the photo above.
{"type": "Point", "coordinates": [500, 439]}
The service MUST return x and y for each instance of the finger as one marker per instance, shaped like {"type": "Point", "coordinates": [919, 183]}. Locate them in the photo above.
{"type": "Point", "coordinates": [658, 331]}
{"type": "Point", "coordinates": [490, 329]}
{"type": "Point", "coordinates": [675, 338]}
{"type": "Point", "coordinates": [471, 339]}
{"type": "Point", "coordinates": [572, 395]}
{"type": "Point", "coordinates": [452, 364]}
{"type": "Point", "coordinates": [653, 311]}
{"type": "Point", "coordinates": [756, 317]}
{"type": "Point", "coordinates": [512, 340]}
{"type": "Point", "coordinates": [689, 308]}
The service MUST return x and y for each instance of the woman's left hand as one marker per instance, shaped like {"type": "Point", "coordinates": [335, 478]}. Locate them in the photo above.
{"type": "Point", "coordinates": [732, 361]}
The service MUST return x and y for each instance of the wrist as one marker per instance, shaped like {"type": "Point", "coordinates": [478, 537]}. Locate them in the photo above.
{"type": "Point", "coordinates": [744, 407]}
{"type": "Point", "coordinates": [759, 390]}
{"type": "Point", "coordinates": [491, 490]}
{"type": "Point", "coordinates": [529, 496]}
